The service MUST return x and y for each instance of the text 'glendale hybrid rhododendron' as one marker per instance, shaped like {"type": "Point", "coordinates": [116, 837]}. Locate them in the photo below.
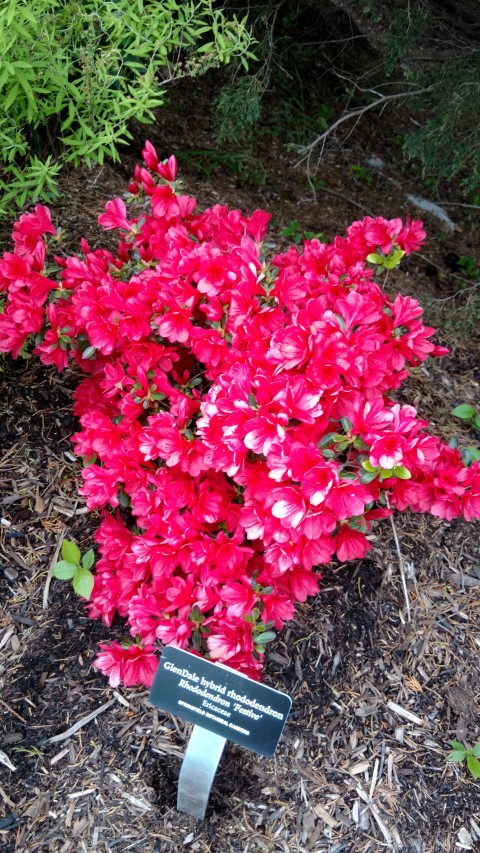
{"type": "Point", "coordinates": [237, 414]}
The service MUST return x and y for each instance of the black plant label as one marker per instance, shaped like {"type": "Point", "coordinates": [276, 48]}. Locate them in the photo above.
{"type": "Point", "coordinates": [220, 700]}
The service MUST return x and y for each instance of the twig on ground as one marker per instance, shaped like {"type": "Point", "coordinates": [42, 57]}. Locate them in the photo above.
{"type": "Point", "coordinates": [6, 798]}
{"type": "Point", "coordinates": [376, 814]}
{"type": "Point", "coordinates": [458, 204]}
{"type": "Point", "coordinates": [48, 581]}
{"type": "Point", "coordinates": [12, 711]}
{"type": "Point", "coordinates": [401, 566]}
{"type": "Point", "coordinates": [4, 759]}
{"type": "Point", "coordinates": [403, 712]}
{"type": "Point", "coordinates": [81, 723]}
{"type": "Point", "coordinates": [459, 292]}
{"type": "Point", "coordinates": [337, 195]}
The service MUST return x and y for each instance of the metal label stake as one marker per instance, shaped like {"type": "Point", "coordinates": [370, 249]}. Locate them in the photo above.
{"type": "Point", "coordinates": [198, 770]}
{"type": "Point", "coordinates": [222, 705]}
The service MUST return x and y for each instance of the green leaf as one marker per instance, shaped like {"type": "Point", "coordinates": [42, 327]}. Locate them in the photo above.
{"type": "Point", "coordinates": [28, 16]}
{"type": "Point", "coordinates": [457, 745]}
{"type": "Point", "coordinates": [83, 583]}
{"type": "Point", "coordinates": [401, 472]}
{"type": "Point", "coordinates": [347, 475]}
{"type": "Point", "coordinates": [123, 499]}
{"type": "Point", "coordinates": [71, 552]}
{"type": "Point", "coordinates": [457, 755]}
{"type": "Point", "coordinates": [367, 476]}
{"type": "Point", "coordinates": [266, 637]}
{"type": "Point", "coordinates": [89, 353]}
{"type": "Point", "coordinates": [369, 467]}
{"type": "Point", "coordinates": [12, 95]}
{"type": "Point", "coordinates": [470, 454]}
{"type": "Point", "coordinates": [473, 765]}
{"type": "Point", "coordinates": [346, 424]}
{"type": "Point", "coordinates": [386, 473]}
{"type": "Point", "coordinates": [327, 439]}
{"type": "Point", "coordinates": [476, 750]}
{"type": "Point", "coordinates": [476, 421]}
{"type": "Point", "coordinates": [394, 259]}
{"type": "Point", "coordinates": [22, 79]}
{"type": "Point", "coordinates": [88, 559]}
{"type": "Point", "coordinates": [89, 460]}
{"type": "Point", "coordinates": [197, 640]}
{"type": "Point", "coordinates": [464, 412]}
{"type": "Point", "coordinates": [64, 571]}
{"type": "Point", "coordinates": [375, 259]}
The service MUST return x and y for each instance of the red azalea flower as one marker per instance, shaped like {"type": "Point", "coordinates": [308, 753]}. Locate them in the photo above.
{"type": "Point", "coordinates": [115, 216]}
{"type": "Point", "coordinates": [132, 665]}
{"type": "Point", "coordinates": [350, 544]}
{"type": "Point", "coordinates": [234, 404]}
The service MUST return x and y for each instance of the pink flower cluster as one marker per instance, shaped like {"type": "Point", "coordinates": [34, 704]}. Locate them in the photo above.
{"type": "Point", "coordinates": [237, 413]}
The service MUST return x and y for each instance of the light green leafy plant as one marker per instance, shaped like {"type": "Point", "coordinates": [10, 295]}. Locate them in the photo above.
{"type": "Point", "coordinates": [35, 181]}
{"type": "Point", "coordinates": [76, 73]}
{"type": "Point", "coordinates": [461, 753]}
{"type": "Point", "coordinates": [76, 568]}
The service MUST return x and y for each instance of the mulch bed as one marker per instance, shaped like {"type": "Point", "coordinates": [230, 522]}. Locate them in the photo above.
{"type": "Point", "coordinates": [376, 698]}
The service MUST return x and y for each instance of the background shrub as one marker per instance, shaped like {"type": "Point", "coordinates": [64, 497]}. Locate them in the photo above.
{"type": "Point", "coordinates": [77, 72]}
{"type": "Point", "coordinates": [368, 54]}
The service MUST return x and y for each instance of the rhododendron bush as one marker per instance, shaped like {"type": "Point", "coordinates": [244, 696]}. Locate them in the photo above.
{"type": "Point", "coordinates": [238, 421]}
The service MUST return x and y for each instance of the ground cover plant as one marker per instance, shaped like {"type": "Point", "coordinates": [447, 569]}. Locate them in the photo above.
{"type": "Point", "coordinates": [238, 413]}
{"type": "Point", "coordinates": [461, 753]}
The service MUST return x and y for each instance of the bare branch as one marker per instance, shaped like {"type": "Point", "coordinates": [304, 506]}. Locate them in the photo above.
{"type": "Point", "coordinates": [380, 103]}
{"type": "Point", "coordinates": [458, 293]}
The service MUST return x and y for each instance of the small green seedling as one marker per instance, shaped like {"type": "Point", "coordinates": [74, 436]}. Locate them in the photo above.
{"type": "Point", "coordinates": [471, 756]}
{"type": "Point", "coordinates": [469, 266]}
{"type": "Point", "coordinates": [76, 568]}
{"type": "Point", "coordinates": [362, 174]}
{"type": "Point", "coordinates": [31, 751]}
{"type": "Point", "coordinates": [294, 232]}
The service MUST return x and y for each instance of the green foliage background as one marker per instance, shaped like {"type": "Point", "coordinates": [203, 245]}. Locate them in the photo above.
{"type": "Point", "coordinates": [75, 73]}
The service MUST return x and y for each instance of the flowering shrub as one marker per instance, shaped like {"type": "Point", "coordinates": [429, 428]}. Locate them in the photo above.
{"type": "Point", "coordinates": [236, 415]}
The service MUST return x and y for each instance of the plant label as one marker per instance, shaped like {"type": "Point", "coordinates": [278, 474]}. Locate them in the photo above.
{"type": "Point", "coordinates": [220, 700]}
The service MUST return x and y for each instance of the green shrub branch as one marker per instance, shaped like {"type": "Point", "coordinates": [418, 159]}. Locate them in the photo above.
{"type": "Point", "coordinates": [75, 74]}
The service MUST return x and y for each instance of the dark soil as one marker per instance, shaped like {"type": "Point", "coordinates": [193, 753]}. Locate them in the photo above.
{"type": "Point", "coordinates": [361, 764]}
